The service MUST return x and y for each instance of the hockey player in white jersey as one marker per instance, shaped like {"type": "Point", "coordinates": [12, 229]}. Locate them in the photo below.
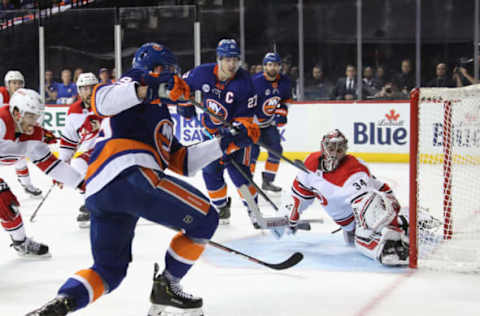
{"type": "Point", "coordinates": [78, 135]}
{"type": "Point", "coordinates": [363, 206]}
{"type": "Point", "coordinates": [20, 137]}
{"type": "Point", "coordinates": [14, 80]}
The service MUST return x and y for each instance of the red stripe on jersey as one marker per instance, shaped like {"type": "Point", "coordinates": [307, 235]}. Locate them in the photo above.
{"type": "Point", "coordinates": [13, 224]}
{"type": "Point", "coordinates": [22, 172]}
{"type": "Point", "coordinates": [45, 163]}
{"type": "Point", "coordinates": [299, 188]}
{"type": "Point", "coordinates": [345, 222]}
{"type": "Point", "coordinates": [67, 144]}
{"type": "Point", "coordinates": [370, 245]}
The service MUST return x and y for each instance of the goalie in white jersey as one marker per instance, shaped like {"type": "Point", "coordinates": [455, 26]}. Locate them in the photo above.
{"type": "Point", "coordinates": [364, 207]}
{"type": "Point", "coordinates": [79, 134]}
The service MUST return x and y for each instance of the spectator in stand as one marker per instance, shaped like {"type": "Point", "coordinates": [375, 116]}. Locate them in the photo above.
{"type": "Point", "coordinates": [379, 81]}
{"type": "Point", "coordinates": [317, 87]}
{"type": "Point", "coordinates": [462, 77]}
{"type": "Point", "coordinates": [253, 68]}
{"type": "Point", "coordinates": [389, 92]}
{"type": "Point", "coordinates": [405, 80]}
{"type": "Point", "coordinates": [77, 73]}
{"type": "Point", "coordinates": [113, 75]}
{"type": "Point", "coordinates": [346, 87]}
{"type": "Point", "coordinates": [368, 83]}
{"type": "Point", "coordinates": [104, 75]}
{"type": "Point", "coordinates": [67, 90]}
{"type": "Point", "coordinates": [244, 66]}
{"type": "Point", "coordinates": [7, 5]}
{"type": "Point", "coordinates": [50, 88]}
{"type": "Point", "coordinates": [442, 80]}
{"type": "Point", "coordinates": [286, 65]}
{"type": "Point", "coordinates": [258, 69]}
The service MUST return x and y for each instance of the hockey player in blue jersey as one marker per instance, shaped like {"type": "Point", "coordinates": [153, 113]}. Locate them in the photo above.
{"type": "Point", "coordinates": [126, 181]}
{"type": "Point", "coordinates": [228, 91]}
{"type": "Point", "coordinates": [273, 90]}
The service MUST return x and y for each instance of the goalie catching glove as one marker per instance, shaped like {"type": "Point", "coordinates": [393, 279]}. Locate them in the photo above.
{"type": "Point", "coordinates": [8, 203]}
{"type": "Point", "coordinates": [243, 134]}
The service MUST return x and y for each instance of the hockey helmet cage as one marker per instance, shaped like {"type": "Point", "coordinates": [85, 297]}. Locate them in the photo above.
{"type": "Point", "coordinates": [334, 146]}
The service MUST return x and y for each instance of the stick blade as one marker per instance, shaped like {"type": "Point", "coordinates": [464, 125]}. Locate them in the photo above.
{"type": "Point", "coordinates": [290, 262]}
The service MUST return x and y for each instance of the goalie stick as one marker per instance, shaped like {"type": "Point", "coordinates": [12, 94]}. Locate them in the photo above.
{"type": "Point", "coordinates": [41, 203]}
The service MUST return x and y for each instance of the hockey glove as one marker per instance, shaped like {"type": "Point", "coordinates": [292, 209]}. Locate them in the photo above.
{"type": "Point", "coordinates": [281, 115]}
{"type": "Point", "coordinates": [90, 127]}
{"type": "Point", "coordinates": [49, 137]}
{"type": "Point", "coordinates": [178, 89]}
{"type": "Point", "coordinates": [8, 202]}
{"type": "Point", "coordinates": [242, 135]}
{"type": "Point", "coordinates": [186, 109]}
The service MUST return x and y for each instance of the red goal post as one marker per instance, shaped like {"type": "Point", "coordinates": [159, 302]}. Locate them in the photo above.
{"type": "Point", "coordinates": [444, 206]}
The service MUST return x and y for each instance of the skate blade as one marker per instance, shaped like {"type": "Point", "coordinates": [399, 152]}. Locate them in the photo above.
{"type": "Point", "coordinates": [30, 256]}
{"type": "Point", "coordinates": [162, 310]}
{"type": "Point", "coordinates": [224, 221]}
{"type": "Point", "coordinates": [84, 224]}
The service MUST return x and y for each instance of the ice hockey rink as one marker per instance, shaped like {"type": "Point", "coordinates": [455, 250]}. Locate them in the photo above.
{"type": "Point", "coordinates": [333, 279]}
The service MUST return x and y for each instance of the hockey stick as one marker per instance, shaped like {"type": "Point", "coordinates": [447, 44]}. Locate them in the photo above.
{"type": "Point", "coordinates": [290, 262]}
{"type": "Point", "coordinates": [41, 202]}
{"type": "Point", "coordinates": [250, 180]}
{"type": "Point", "coordinates": [298, 164]}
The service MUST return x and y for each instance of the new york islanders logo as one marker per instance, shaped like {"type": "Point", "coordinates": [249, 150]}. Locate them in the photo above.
{"type": "Point", "coordinates": [216, 107]}
{"type": "Point", "coordinates": [270, 105]}
{"type": "Point", "coordinates": [163, 139]}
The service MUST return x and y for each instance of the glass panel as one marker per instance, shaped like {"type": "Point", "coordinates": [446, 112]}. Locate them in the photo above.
{"type": "Point", "coordinates": [272, 25]}
{"type": "Point", "coordinates": [19, 46]}
{"type": "Point", "coordinates": [170, 26]}
{"type": "Point", "coordinates": [77, 40]}
{"type": "Point", "coordinates": [447, 43]}
{"type": "Point", "coordinates": [388, 38]}
{"type": "Point", "coordinates": [218, 23]}
{"type": "Point", "coordinates": [330, 45]}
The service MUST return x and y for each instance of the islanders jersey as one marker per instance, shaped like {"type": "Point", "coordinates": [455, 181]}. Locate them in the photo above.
{"type": "Point", "coordinates": [336, 189]}
{"type": "Point", "coordinates": [73, 136]}
{"type": "Point", "coordinates": [16, 146]}
{"type": "Point", "coordinates": [231, 99]}
{"type": "Point", "coordinates": [270, 95]}
{"type": "Point", "coordinates": [133, 133]}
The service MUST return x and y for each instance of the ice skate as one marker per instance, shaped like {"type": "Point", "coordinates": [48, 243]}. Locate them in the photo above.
{"type": "Point", "coordinates": [269, 186]}
{"type": "Point", "coordinates": [32, 191]}
{"type": "Point", "coordinates": [31, 248]}
{"type": "Point", "coordinates": [83, 218]}
{"type": "Point", "coordinates": [224, 213]}
{"type": "Point", "coordinates": [168, 298]}
{"type": "Point", "coordinates": [59, 306]}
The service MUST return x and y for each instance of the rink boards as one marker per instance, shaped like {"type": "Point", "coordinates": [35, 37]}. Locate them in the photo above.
{"type": "Point", "coordinates": [378, 131]}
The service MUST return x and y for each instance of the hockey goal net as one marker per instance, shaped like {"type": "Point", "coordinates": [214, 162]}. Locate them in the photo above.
{"type": "Point", "coordinates": [445, 179]}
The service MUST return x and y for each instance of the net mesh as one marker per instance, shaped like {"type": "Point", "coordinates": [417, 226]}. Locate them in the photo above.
{"type": "Point", "coordinates": [448, 179]}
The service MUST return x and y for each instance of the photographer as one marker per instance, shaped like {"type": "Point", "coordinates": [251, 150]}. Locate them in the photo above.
{"type": "Point", "coordinates": [462, 77]}
{"type": "Point", "coordinates": [390, 91]}
{"type": "Point", "coordinates": [441, 80]}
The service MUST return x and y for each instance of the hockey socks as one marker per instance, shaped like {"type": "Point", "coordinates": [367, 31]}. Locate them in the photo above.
{"type": "Point", "coordinates": [84, 287]}
{"type": "Point", "coordinates": [182, 254]}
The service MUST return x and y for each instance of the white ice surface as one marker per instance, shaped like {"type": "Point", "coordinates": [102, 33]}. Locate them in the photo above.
{"type": "Point", "coordinates": [332, 279]}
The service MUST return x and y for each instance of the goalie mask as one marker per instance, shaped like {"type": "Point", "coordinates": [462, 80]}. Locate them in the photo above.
{"type": "Point", "coordinates": [334, 148]}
